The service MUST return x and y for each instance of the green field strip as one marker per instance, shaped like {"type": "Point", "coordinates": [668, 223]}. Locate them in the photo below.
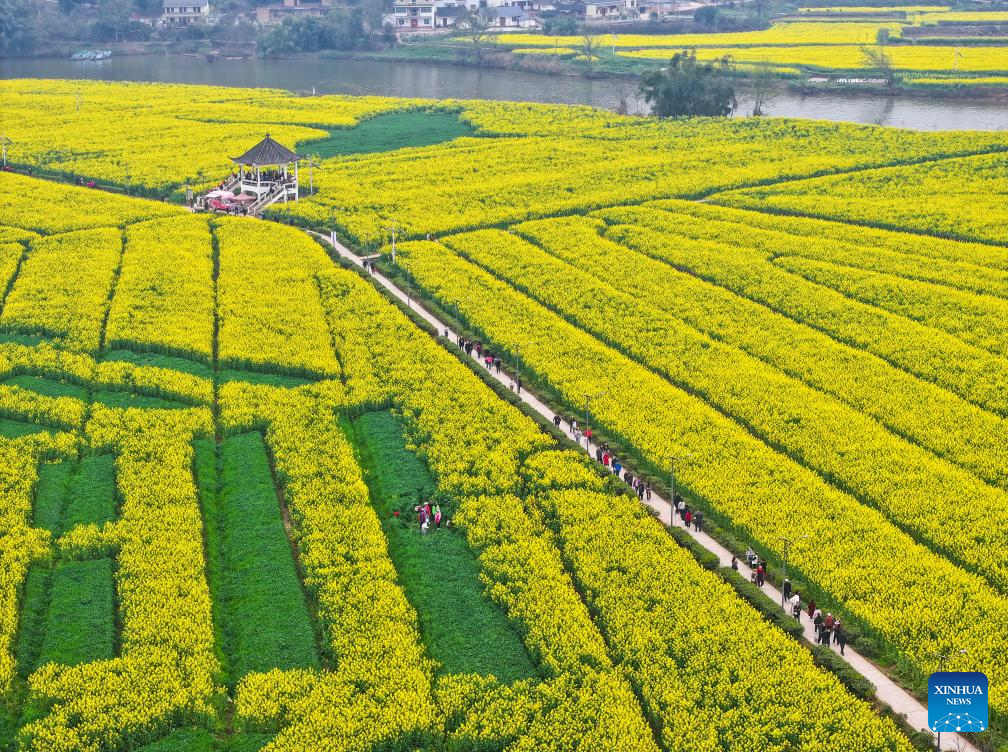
{"type": "Point", "coordinates": [125, 400]}
{"type": "Point", "coordinates": [205, 472]}
{"type": "Point", "coordinates": [15, 429]}
{"type": "Point", "coordinates": [396, 130]}
{"type": "Point", "coordinates": [79, 624]}
{"type": "Point", "coordinates": [111, 397]}
{"type": "Point", "coordinates": [8, 728]}
{"type": "Point", "coordinates": [75, 493]}
{"type": "Point", "coordinates": [68, 609]}
{"type": "Point", "coordinates": [28, 340]}
{"type": "Point", "coordinates": [92, 498]}
{"type": "Point", "coordinates": [160, 360]}
{"type": "Point", "coordinates": [34, 604]}
{"type": "Point", "coordinates": [51, 490]}
{"type": "Point", "coordinates": [182, 740]}
{"type": "Point", "coordinates": [201, 740]}
{"type": "Point", "coordinates": [462, 629]}
{"type": "Point", "coordinates": [242, 743]}
{"type": "Point", "coordinates": [264, 379]}
{"type": "Point", "coordinates": [49, 387]}
{"type": "Point", "coordinates": [265, 619]}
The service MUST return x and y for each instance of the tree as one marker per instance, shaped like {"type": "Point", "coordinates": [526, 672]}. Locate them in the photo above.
{"type": "Point", "coordinates": [706, 15]}
{"type": "Point", "coordinates": [560, 26]}
{"type": "Point", "coordinates": [475, 26]}
{"type": "Point", "coordinates": [589, 48]}
{"type": "Point", "coordinates": [17, 32]}
{"type": "Point", "coordinates": [878, 60]}
{"type": "Point", "coordinates": [762, 86]}
{"type": "Point", "coordinates": [687, 88]}
{"type": "Point", "coordinates": [114, 15]}
{"type": "Point", "coordinates": [337, 30]}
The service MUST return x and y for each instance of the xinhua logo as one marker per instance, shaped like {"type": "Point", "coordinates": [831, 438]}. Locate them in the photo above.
{"type": "Point", "coordinates": [957, 701]}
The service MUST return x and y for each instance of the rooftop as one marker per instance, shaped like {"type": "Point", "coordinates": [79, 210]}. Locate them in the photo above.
{"type": "Point", "coordinates": [267, 152]}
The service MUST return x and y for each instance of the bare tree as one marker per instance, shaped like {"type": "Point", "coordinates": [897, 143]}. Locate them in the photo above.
{"type": "Point", "coordinates": [589, 48]}
{"type": "Point", "coordinates": [475, 26]}
{"type": "Point", "coordinates": [623, 101]}
{"type": "Point", "coordinates": [878, 60]}
{"type": "Point", "coordinates": [763, 86]}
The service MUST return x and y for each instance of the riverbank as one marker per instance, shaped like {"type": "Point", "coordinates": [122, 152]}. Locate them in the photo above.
{"type": "Point", "coordinates": [415, 78]}
{"type": "Point", "coordinates": [446, 51]}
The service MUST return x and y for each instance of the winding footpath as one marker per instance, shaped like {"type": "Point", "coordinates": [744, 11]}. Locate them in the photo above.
{"type": "Point", "coordinates": [886, 690]}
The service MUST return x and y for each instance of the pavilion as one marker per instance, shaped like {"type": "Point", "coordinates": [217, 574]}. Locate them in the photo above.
{"type": "Point", "coordinates": [264, 171]}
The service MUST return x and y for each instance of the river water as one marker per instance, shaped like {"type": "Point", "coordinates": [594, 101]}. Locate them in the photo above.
{"type": "Point", "coordinates": [449, 81]}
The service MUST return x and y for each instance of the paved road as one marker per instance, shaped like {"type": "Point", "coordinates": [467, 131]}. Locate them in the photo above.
{"type": "Point", "coordinates": [886, 690]}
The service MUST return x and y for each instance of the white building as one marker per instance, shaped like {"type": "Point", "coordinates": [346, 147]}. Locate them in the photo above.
{"type": "Point", "coordinates": [184, 12]}
{"type": "Point", "coordinates": [412, 16]}
{"type": "Point", "coordinates": [609, 10]}
{"type": "Point", "coordinates": [513, 17]}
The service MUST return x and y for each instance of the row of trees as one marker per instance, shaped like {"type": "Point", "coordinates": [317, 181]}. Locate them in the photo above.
{"type": "Point", "coordinates": [356, 29]}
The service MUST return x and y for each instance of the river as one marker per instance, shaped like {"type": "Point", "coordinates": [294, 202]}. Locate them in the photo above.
{"type": "Point", "coordinates": [448, 81]}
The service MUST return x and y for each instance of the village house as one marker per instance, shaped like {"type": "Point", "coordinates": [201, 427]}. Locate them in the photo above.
{"type": "Point", "coordinates": [277, 12]}
{"type": "Point", "coordinates": [185, 12]}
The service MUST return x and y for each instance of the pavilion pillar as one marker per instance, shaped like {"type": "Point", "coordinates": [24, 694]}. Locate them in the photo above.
{"type": "Point", "coordinates": [297, 190]}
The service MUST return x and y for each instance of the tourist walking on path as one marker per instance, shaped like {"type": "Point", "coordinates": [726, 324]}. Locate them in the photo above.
{"type": "Point", "coordinates": [698, 521]}
{"type": "Point", "coordinates": [796, 606]}
{"type": "Point", "coordinates": [840, 636]}
{"type": "Point", "coordinates": [786, 589]}
{"type": "Point", "coordinates": [437, 515]}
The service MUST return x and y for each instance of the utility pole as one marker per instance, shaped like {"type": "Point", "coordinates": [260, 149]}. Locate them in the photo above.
{"type": "Point", "coordinates": [4, 141]}
{"type": "Point", "coordinates": [77, 99]}
{"type": "Point", "coordinates": [392, 228]}
{"type": "Point", "coordinates": [788, 542]}
{"type": "Point", "coordinates": [672, 482]}
{"type": "Point", "coordinates": [313, 161]}
{"type": "Point", "coordinates": [588, 399]}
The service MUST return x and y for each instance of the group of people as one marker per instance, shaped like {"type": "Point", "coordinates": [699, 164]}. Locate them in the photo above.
{"type": "Point", "coordinates": [828, 628]}
{"type": "Point", "coordinates": [426, 514]}
{"type": "Point", "coordinates": [484, 355]}
{"type": "Point", "coordinates": [757, 566]}
{"type": "Point", "coordinates": [265, 176]}
{"type": "Point", "coordinates": [690, 517]}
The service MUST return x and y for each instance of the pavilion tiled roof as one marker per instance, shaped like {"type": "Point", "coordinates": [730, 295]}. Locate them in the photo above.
{"type": "Point", "coordinates": [268, 152]}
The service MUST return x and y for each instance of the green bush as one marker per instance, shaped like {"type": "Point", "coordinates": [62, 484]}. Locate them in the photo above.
{"type": "Point", "coordinates": [826, 658]}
